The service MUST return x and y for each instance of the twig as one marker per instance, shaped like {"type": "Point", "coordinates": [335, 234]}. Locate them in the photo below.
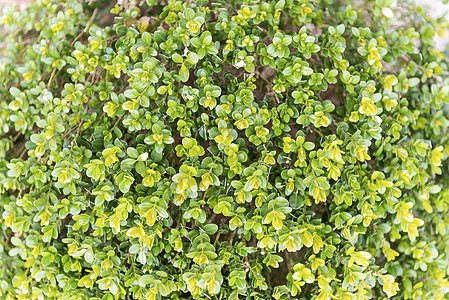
{"type": "Point", "coordinates": [94, 14]}
{"type": "Point", "coordinates": [51, 77]}
{"type": "Point", "coordinates": [23, 153]}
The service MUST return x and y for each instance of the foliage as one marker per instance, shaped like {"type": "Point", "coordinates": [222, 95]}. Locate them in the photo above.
{"type": "Point", "coordinates": [292, 149]}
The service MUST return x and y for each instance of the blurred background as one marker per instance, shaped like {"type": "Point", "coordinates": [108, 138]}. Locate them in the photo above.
{"type": "Point", "coordinates": [22, 3]}
{"type": "Point", "coordinates": [437, 9]}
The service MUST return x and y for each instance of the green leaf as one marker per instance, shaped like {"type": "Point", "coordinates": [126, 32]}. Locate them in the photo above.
{"type": "Point", "coordinates": [210, 229]}
{"type": "Point", "coordinates": [177, 58]}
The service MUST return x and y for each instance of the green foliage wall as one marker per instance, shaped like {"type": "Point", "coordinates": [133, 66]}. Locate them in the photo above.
{"type": "Point", "coordinates": [245, 149]}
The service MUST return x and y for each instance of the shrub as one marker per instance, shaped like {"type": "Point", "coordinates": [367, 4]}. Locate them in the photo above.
{"type": "Point", "coordinates": [291, 149]}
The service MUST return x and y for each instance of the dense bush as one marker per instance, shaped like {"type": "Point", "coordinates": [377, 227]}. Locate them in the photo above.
{"type": "Point", "coordinates": [291, 149]}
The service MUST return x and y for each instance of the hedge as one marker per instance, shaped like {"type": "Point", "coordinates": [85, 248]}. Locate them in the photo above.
{"type": "Point", "coordinates": [244, 149]}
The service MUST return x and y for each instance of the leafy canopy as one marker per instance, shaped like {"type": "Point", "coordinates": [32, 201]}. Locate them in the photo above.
{"type": "Point", "coordinates": [292, 149]}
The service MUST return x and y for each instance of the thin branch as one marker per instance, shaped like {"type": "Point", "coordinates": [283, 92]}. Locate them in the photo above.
{"type": "Point", "coordinates": [94, 14]}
